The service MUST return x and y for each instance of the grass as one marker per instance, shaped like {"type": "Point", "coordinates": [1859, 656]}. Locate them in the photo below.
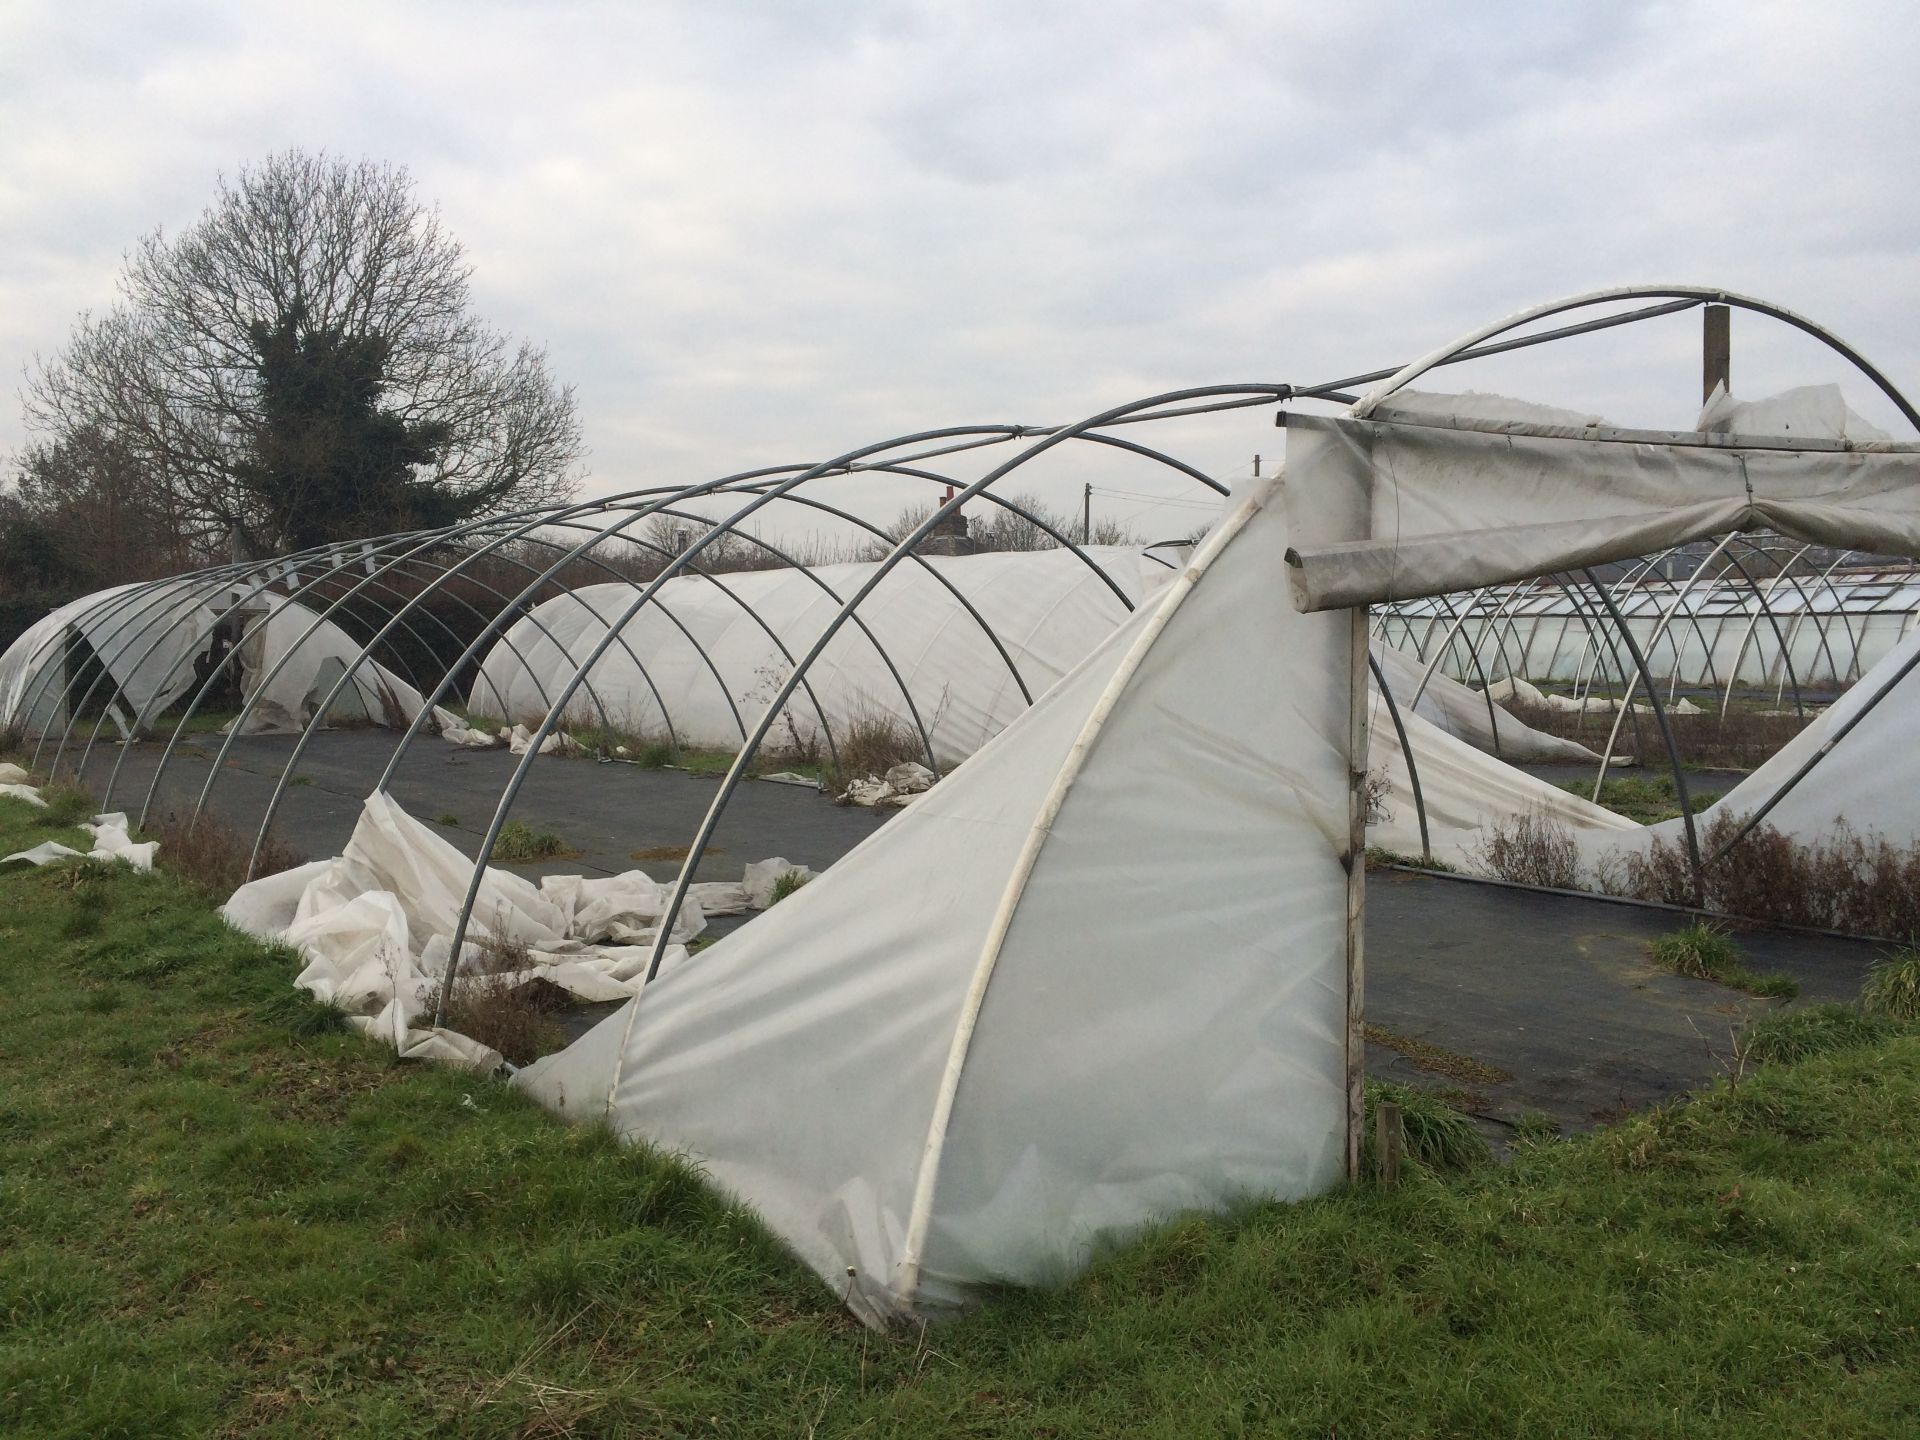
{"type": "Point", "coordinates": [1645, 799]}
{"type": "Point", "coordinates": [1706, 952]}
{"type": "Point", "coordinates": [222, 1215]}
{"type": "Point", "coordinates": [1893, 985]}
{"type": "Point", "coordinates": [518, 843]}
{"type": "Point", "coordinates": [1787, 1037]}
{"type": "Point", "coordinates": [1438, 1137]}
{"type": "Point", "coordinates": [66, 806]}
{"type": "Point", "coordinates": [788, 882]}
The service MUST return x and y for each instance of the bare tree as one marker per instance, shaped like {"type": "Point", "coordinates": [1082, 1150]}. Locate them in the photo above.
{"type": "Point", "coordinates": [309, 258]}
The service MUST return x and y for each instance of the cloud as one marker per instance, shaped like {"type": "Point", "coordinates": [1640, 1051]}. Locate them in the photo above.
{"type": "Point", "coordinates": [755, 234]}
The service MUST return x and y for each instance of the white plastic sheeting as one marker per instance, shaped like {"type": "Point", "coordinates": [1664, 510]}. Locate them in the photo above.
{"type": "Point", "coordinates": [1446, 509]}
{"type": "Point", "coordinates": [1867, 779]}
{"type": "Point", "coordinates": [1092, 979]}
{"type": "Point", "coordinates": [1048, 608]}
{"type": "Point", "coordinates": [111, 840]}
{"type": "Point", "coordinates": [375, 925]}
{"type": "Point", "coordinates": [147, 643]}
{"type": "Point", "coordinates": [1466, 794]}
{"type": "Point", "coordinates": [1465, 714]}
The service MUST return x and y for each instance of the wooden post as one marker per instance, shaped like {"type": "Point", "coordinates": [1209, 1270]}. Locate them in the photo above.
{"type": "Point", "coordinates": [1716, 350]}
{"type": "Point", "coordinates": [1389, 1142]}
{"type": "Point", "coordinates": [1356, 888]}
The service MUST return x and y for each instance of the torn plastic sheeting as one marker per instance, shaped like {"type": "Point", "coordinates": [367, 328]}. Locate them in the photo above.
{"type": "Point", "coordinates": [23, 792]}
{"type": "Point", "coordinates": [111, 843]}
{"type": "Point", "coordinates": [11, 774]}
{"type": "Point", "coordinates": [520, 740]}
{"type": "Point", "coordinates": [455, 731]}
{"type": "Point", "coordinates": [375, 926]}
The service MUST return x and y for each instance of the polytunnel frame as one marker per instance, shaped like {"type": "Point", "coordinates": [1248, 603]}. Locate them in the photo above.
{"type": "Point", "coordinates": [843, 463]}
{"type": "Point", "coordinates": [1476, 344]}
{"type": "Point", "coordinates": [321, 713]}
{"type": "Point", "coordinates": [350, 554]}
{"type": "Point", "coordinates": [1679, 297]}
{"type": "Point", "coordinates": [736, 484]}
{"type": "Point", "coordinates": [320, 621]}
{"type": "Point", "coordinates": [233, 657]}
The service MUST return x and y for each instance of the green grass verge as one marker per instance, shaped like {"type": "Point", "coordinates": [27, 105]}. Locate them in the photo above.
{"type": "Point", "coordinates": [221, 1215]}
{"type": "Point", "coordinates": [1647, 799]}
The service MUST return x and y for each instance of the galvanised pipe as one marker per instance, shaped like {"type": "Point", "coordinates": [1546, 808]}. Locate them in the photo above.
{"type": "Point", "coordinates": [1666, 733]}
{"type": "Point", "coordinates": [708, 823]}
{"type": "Point", "coordinates": [1406, 750]}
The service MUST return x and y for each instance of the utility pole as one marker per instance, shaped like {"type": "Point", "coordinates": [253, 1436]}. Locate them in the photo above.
{"type": "Point", "coordinates": [1086, 513]}
{"type": "Point", "coordinates": [1716, 350]}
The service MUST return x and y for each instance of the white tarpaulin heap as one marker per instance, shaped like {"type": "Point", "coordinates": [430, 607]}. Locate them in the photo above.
{"type": "Point", "coordinates": [1092, 979]}
{"type": "Point", "coordinates": [1443, 500]}
{"type": "Point", "coordinates": [147, 638]}
{"type": "Point", "coordinates": [1048, 608]}
{"type": "Point", "coordinates": [375, 926]}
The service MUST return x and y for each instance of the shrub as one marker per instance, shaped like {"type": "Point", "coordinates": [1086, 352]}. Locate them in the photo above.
{"type": "Point", "coordinates": [503, 1007]}
{"type": "Point", "coordinates": [1843, 881]}
{"type": "Point", "coordinates": [1531, 849]}
{"type": "Point", "coordinates": [1741, 740]}
{"type": "Point", "coordinates": [212, 856]}
{"type": "Point", "coordinates": [1893, 986]}
{"type": "Point", "coordinates": [871, 743]}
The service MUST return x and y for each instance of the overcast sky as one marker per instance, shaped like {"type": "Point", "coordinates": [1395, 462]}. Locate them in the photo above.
{"type": "Point", "coordinates": [755, 233]}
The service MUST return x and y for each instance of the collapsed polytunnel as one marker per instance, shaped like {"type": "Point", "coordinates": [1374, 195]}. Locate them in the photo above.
{"type": "Point", "coordinates": [1110, 967]}
{"type": "Point", "coordinates": [1091, 978]}
{"type": "Point", "coordinates": [132, 651]}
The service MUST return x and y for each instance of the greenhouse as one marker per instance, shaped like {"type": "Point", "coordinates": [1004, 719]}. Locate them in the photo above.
{"type": "Point", "coordinates": [1105, 962]}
